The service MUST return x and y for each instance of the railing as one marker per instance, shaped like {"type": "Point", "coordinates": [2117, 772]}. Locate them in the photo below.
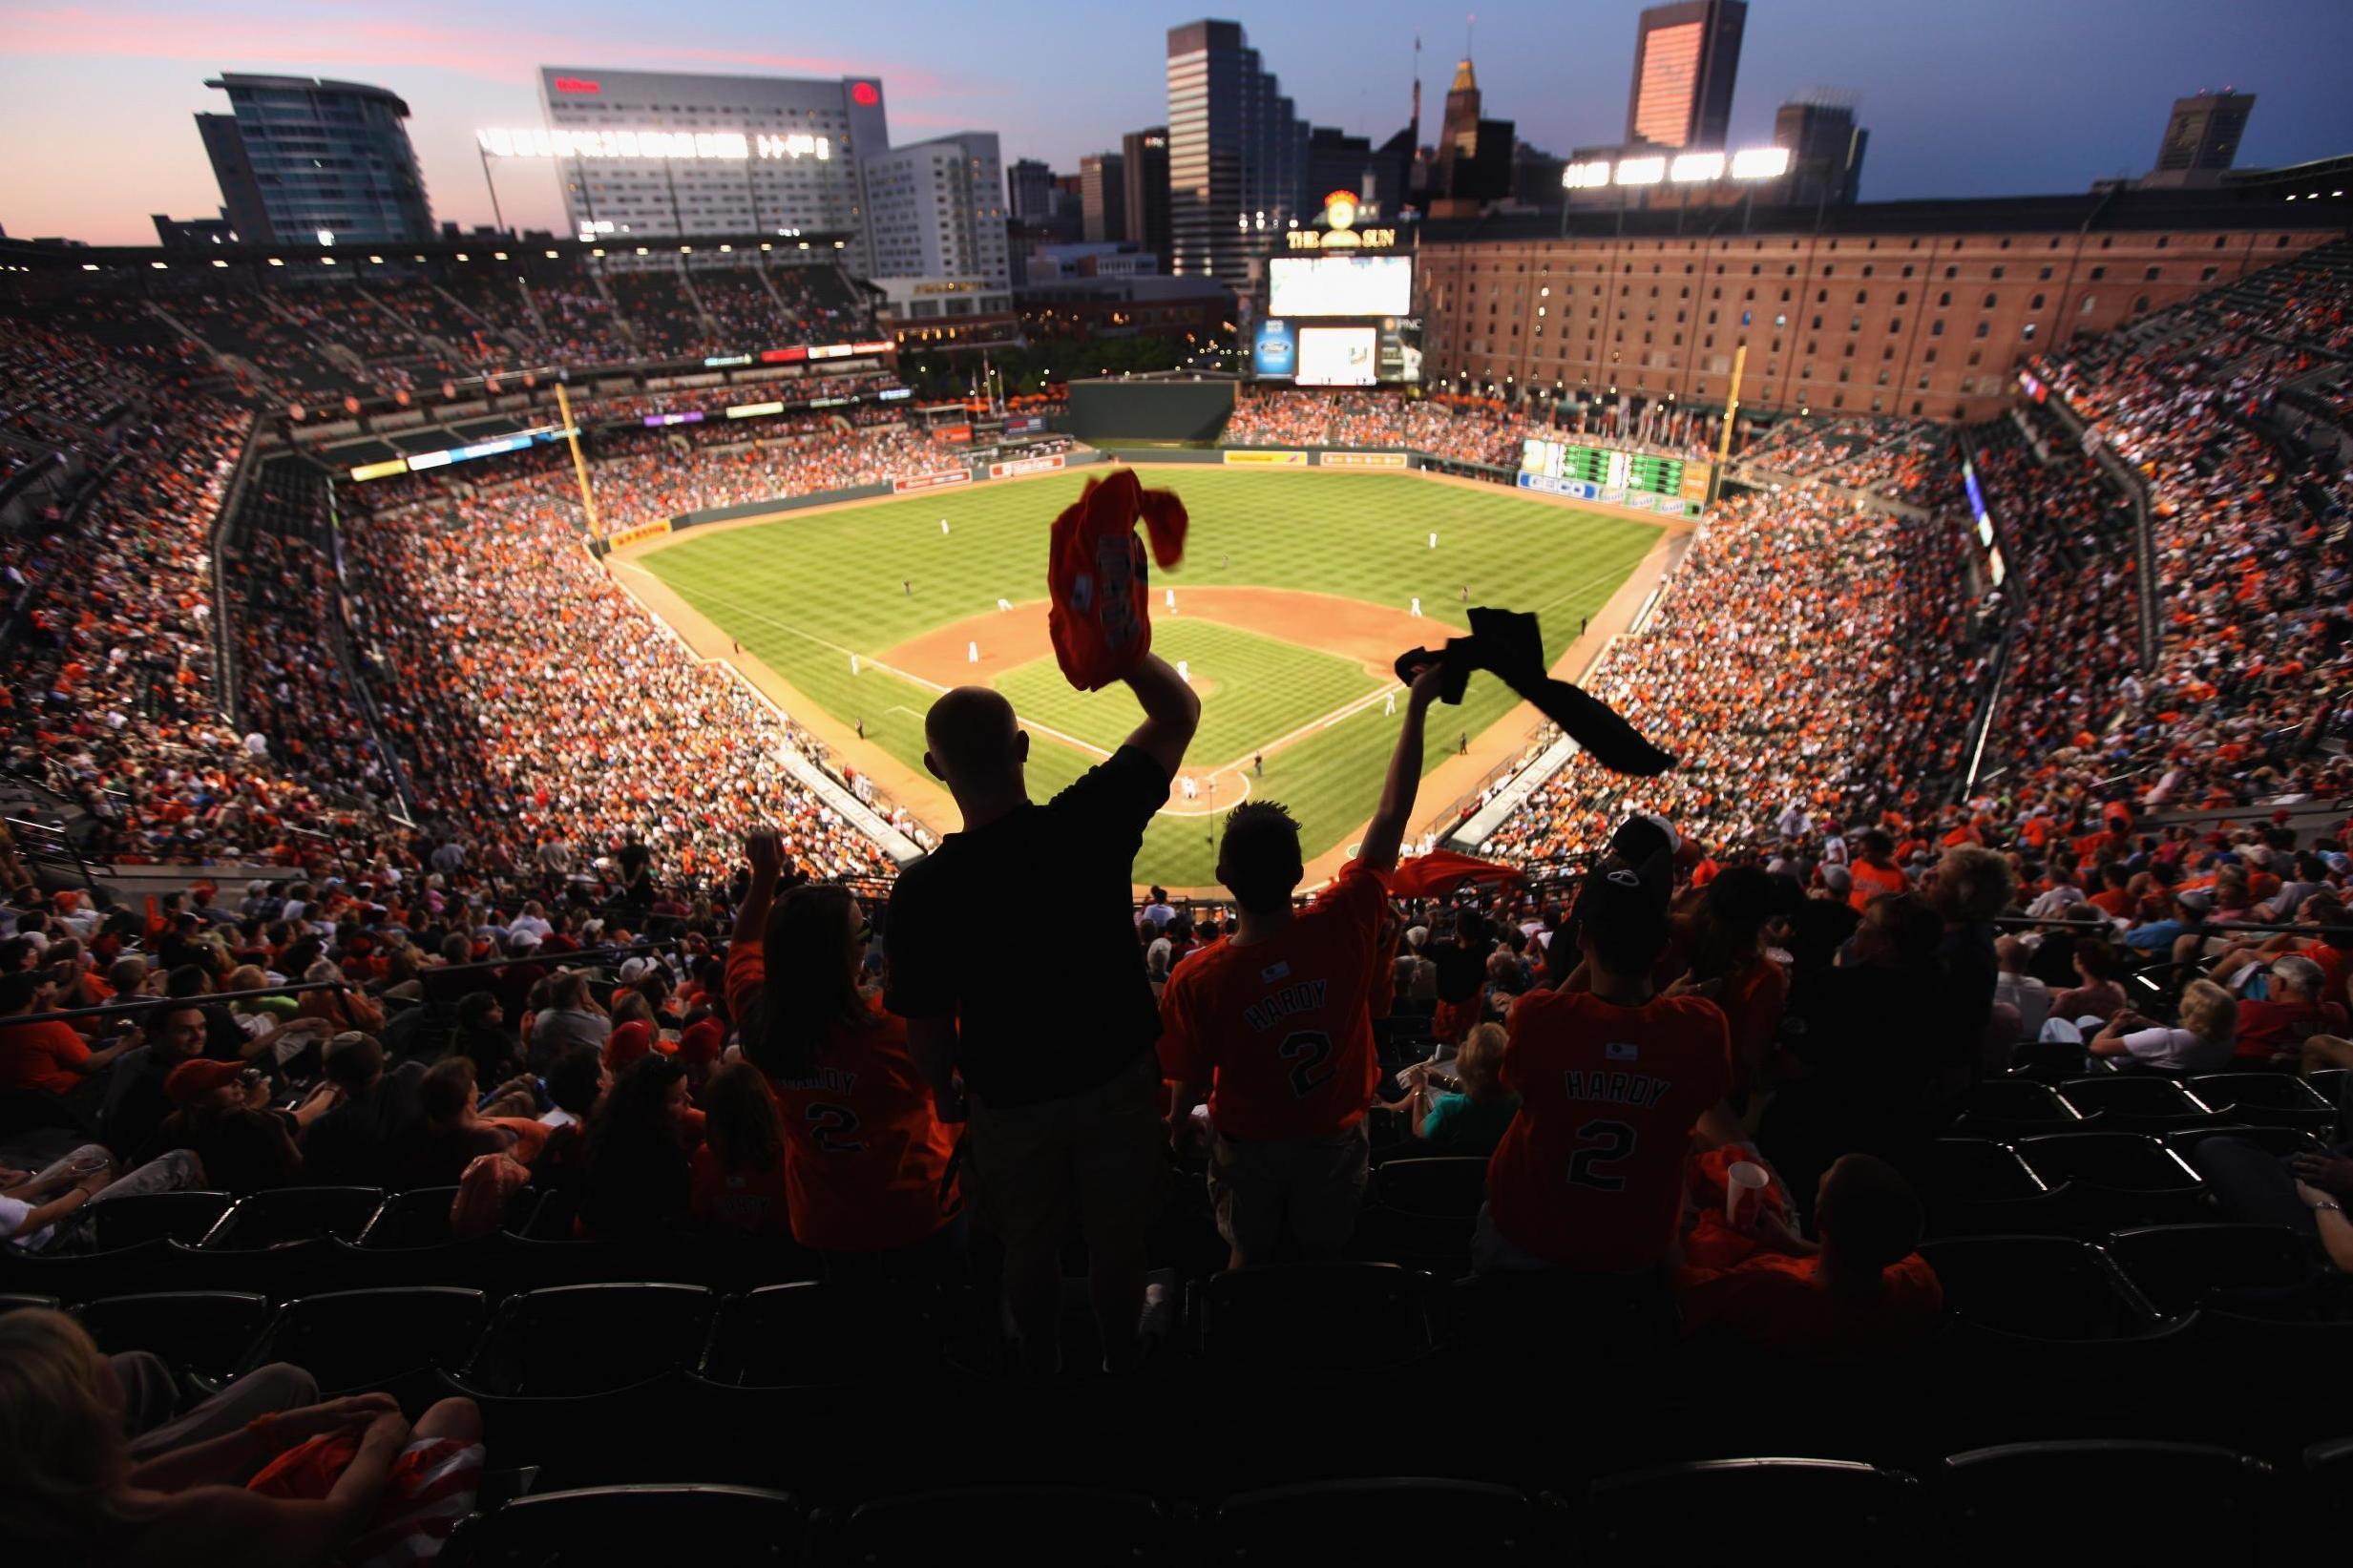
{"type": "Point", "coordinates": [2136, 492]}
{"type": "Point", "coordinates": [341, 630]}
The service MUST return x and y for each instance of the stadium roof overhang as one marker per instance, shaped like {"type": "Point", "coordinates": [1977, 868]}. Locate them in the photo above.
{"type": "Point", "coordinates": [466, 250]}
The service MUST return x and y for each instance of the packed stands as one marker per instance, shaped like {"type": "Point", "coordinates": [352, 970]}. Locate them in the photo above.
{"type": "Point", "coordinates": [1464, 430]}
{"type": "Point", "coordinates": [661, 314]}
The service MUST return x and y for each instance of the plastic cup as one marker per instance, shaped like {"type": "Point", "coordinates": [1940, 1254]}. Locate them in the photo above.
{"type": "Point", "coordinates": [1744, 1193]}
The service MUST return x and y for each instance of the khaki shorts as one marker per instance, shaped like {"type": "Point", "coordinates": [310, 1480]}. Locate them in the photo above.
{"type": "Point", "coordinates": [1097, 1152]}
{"type": "Point", "coordinates": [1313, 1184]}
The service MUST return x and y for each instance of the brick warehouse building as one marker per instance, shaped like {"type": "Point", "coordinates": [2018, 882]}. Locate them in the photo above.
{"type": "Point", "coordinates": [1902, 307]}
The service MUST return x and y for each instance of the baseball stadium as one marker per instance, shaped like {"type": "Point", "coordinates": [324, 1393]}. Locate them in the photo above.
{"type": "Point", "coordinates": [724, 830]}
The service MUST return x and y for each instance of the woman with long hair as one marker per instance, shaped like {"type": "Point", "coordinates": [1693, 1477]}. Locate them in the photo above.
{"type": "Point", "coordinates": [347, 1481]}
{"type": "Point", "coordinates": [636, 1179]}
{"type": "Point", "coordinates": [866, 1156]}
{"type": "Point", "coordinates": [739, 1172]}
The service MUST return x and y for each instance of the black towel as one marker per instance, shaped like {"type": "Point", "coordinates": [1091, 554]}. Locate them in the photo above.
{"type": "Point", "coordinates": [1510, 645]}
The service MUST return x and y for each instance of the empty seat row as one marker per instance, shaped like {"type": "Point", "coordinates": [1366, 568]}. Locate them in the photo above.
{"type": "Point", "coordinates": [2010, 1505]}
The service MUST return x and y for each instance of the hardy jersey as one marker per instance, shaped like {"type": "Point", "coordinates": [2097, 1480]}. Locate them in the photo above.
{"type": "Point", "coordinates": [1590, 1173]}
{"type": "Point", "coordinates": [1279, 1029]}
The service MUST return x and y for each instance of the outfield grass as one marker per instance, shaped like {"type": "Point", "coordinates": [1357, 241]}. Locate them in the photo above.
{"type": "Point", "coordinates": [807, 592]}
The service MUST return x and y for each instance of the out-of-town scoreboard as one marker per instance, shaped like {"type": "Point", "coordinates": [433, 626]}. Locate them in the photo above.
{"type": "Point", "coordinates": [1644, 480]}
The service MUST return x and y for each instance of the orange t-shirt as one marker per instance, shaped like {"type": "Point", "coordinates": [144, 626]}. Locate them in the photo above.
{"type": "Point", "coordinates": [752, 1203]}
{"type": "Point", "coordinates": [1783, 1305]}
{"type": "Point", "coordinates": [2112, 902]}
{"type": "Point", "coordinates": [43, 1057]}
{"type": "Point", "coordinates": [866, 1154]}
{"type": "Point", "coordinates": [1870, 881]}
{"type": "Point", "coordinates": [1590, 1174]}
{"type": "Point", "coordinates": [1280, 1029]}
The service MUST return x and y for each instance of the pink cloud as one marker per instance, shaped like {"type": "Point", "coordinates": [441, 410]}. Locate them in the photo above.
{"type": "Point", "coordinates": [507, 56]}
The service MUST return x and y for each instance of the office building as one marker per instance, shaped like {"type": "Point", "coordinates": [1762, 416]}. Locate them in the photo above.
{"type": "Point", "coordinates": [937, 210]}
{"type": "Point", "coordinates": [1473, 155]}
{"type": "Point", "coordinates": [1031, 190]}
{"type": "Point", "coordinates": [298, 158]}
{"type": "Point", "coordinates": [1825, 149]}
{"type": "Point", "coordinates": [1237, 153]}
{"type": "Point", "coordinates": [1144, 157]}
{"type": "Point", "coordinates": [2201, 137]}
{"type": "Point", "coordinates": [731, 155]}
{"type": "Point", "coordinates": [193, 233]}
{"type": "Point", "coordinates": [1102, 197]}
{"type": "Point", "coordinates": [1686, 57]}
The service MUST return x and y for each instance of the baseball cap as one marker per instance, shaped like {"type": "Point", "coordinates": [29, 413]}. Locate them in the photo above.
{"type": "Point", "coordinates": [192, 1080]}
{"type": "Point", "coordinates": [626, 1044]}
{"type": "Point", "coordinates": [1630, 900]}
{"type": "Point", "coordinates": [1642, 835]}
{"type": "Point", "coordinates": [1838, 879]}
{"type": "Point", "coordinates": [634, 970]}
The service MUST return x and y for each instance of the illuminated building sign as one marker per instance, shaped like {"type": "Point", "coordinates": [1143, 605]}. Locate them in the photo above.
{"type": "Point", "coordinates": [577, 84]}
{"type": "Point", "coordinates": [865, 94]}
{"type": "Point", "coordinates": [722, 146]}
{"type": "Point", "coordinates": [1340, 231]}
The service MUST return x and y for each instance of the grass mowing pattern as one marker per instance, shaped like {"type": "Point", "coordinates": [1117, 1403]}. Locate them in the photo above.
{"type": "Point", "coordinates": [806, 592]}
{"type": "Point", "coordinates": [1263, 689]}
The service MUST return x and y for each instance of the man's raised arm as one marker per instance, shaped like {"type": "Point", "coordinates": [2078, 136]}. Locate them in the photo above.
{"type": "Point", "coordinates": [1171, 713]}
{"type": "Point", "coordinates": [1387, 830]}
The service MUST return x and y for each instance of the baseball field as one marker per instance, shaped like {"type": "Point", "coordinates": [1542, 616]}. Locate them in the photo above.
{"type": "Point", "coordinates": [1296, 593]}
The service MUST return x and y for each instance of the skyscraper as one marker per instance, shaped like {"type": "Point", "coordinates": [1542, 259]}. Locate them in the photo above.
{"type": "Point", "coordinates": [1032, 190]}
{"type": "Point", "coordinates": [1686, 57]}
{"type": "Point", "coordinates": [1145, 156]}
{"type": "Point", "coordinates": [2201, 137]}
{"type": "Point", "coordinates": [1825, 149]}
{"type": "Point", "coordinates": [1474, 155]}
{"type": "Point", "coordinates": [1237, 153]}
{"type": "Point", "coordinates": [1102, 197]}
{"type": "Point", "coordinates": [315, 156]}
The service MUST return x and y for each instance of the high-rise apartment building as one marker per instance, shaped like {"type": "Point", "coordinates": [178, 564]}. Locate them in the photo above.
{"type": "Point", "coordinates": [1102, 197]}
{"type": "Point", "coordinates": [1144, 157]}
{"type": "Point", "coordinates": [1686, 57]}
{"type": "Point", "coordinates": [2201, 137]}
{"type": "Point", "coordinates": [1237, 153]}
{"type": "Point", "coordinates": [937, 210]}
{"type": "Point", "coordinates": [660, 153]}
{"type": "Point", "coordinates": [298, 158]}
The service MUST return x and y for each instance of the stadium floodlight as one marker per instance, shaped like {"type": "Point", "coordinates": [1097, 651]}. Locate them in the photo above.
{"type": "Point", "coordinates": [1697, 168]}
{"type": "Point", "coordinates": [1760, 163]}
{"type": "Point", "coordinates": [219, 262]}
{"type": "Point", "coordinates": [1641, 171]}
{"type": "Point", "coordinates": [1585, 177]}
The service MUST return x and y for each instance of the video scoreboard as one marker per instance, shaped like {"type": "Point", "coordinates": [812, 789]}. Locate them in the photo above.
{"type": "Point", "coordinates": [1645, 481]}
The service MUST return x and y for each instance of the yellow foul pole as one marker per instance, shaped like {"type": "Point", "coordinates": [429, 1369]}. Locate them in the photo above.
{"type": "Point", "coordinates": [1724, 440]}
{"type": "Point", "coordinates": [579, 464]}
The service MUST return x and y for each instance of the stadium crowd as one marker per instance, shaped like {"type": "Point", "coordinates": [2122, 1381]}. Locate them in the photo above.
{"type": "Point", "coordinates": [1460, 429]}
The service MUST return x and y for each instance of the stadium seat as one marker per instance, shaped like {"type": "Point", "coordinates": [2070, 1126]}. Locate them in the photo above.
{"type": "Point", "coordinates": [72, 1277]}
{"type": "Point", "coordinates": [2267, 1100]}
{"type": "Point", "coordinates": [13, 1303]}
{"type": "Point", "coordinates": [1421, 1212]}
{"type": "Point", "coordinates": [1851, 1512]}
{"type": "Point", "coordinates": [147, 1216]}
{"type": "Point", "coordinates": [290, 1215]}
{"type": "Point", "coordinates": [583, 1339]}
{"type": "Point", "coordinates": [2042, 1288]}
{"type": "Point", "coordinates": [2113, 1501]}
{"type": "Point", "coordinates": [1364, 1315]}
{"type": "Point", "coordinates": [2180, 1268]}
{"type": "Point", "coordinates": [1973, 1187]}
{"type": "Point", "coordinates": [1036, 1526]}
{"type": "Point", "coordinates": [1367, 1523]}
{"type": "Point", "coordinates": [2133, 1103]}
{"type": "Point", "coordinates": [2115, 1179]}
{"type": "Point", "coordinates": [1445, 1187]}
{"type": "Point", "coordinates": [357, 1340]}
{"type": "Point", "coordinates": [420, 1218]}
{"type": "Point", "coordinates": [2327, 1488]}
{"type": "Point", "coordinates": [814, 1333]}
{"type": "Point", "coordinates": [720, 1526]}
{"type": "Point", "coordinates": [2002, 1108]}
{"type": "Point", "coordinates": [2279, 1140]}
{"type": "Point", "coordinates": [202, 1334]}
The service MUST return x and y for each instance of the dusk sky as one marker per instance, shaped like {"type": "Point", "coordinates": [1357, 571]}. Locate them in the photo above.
{"type": "Point", "coordinates": [1963, 97]}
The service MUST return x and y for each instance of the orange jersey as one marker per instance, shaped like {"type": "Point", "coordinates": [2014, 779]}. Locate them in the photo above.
{"type": "Point", "coordinates": [1279, 1029]}
{"type": "Point", "coordinates": [866, 1156]}
{"type": "Point", "coordinates": [1784, 1305]}
{"type": "Point", "coordinates": [1870, 881]}
{"type": "Point", "coordinates": [1590, 1173]}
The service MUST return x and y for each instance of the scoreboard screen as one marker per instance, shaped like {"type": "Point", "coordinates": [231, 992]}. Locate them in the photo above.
{"type": "Point", "coordinates": [1340, 285]}
{"type": "Point", "coordinates": [1643, 480]}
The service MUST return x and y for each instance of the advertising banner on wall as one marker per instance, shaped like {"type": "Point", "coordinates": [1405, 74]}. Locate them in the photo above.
{"type": "Point", "coordinates": [932, 481]}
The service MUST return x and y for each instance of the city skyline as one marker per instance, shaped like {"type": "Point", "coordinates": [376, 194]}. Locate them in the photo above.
{"type": "Point", "coordinates": [1992, 99]}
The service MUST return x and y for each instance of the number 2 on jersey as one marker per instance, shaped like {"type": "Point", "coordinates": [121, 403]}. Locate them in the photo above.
{"type": "Point", "coordinates": [1600, 1143]}
{"type": "Point", "coordinates": [835, 1128]}
{"type": "Point", "coordinates": [1310, 1051]}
